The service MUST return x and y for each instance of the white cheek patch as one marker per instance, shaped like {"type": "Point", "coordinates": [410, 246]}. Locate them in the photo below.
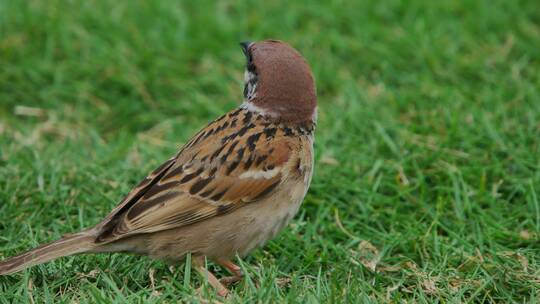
{"type": "Point", "coordinates": [251, 90]}
{"type": "Point", "coordinates": [249, 76]}
{"type": "Point", "coordinates": [250, 85]}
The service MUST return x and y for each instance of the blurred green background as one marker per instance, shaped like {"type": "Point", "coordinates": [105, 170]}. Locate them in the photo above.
{"type": "Point", "coordinates": [427, 176]}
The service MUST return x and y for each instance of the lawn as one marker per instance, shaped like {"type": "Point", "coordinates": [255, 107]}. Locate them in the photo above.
{"type": "Point", "coordinates": [427, 177]}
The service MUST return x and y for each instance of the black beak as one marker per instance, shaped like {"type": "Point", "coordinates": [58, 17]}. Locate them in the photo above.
{"type": "Point", "coordinates": [245, 47]}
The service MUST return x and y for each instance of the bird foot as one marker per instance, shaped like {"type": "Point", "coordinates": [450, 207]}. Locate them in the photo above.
{"type": "Point", "coordinates": [228, 281]}
{"type": "Point", "coordinates": [221, 290]}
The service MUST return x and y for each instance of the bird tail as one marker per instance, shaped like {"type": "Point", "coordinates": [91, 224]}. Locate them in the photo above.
{"type": "Point", "coordinates": [69, 245]}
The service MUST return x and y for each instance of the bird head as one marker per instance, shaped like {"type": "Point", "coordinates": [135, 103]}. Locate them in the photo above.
{"type": "Point", "coordinates": [278, 82]}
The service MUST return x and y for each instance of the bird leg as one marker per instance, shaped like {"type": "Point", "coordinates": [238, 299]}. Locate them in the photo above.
{"type": "Point", "coordinates": [232, 268]}
{"type": "Point", "coordinates": [221, 290]}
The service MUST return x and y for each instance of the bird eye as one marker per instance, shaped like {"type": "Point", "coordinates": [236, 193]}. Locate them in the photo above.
{"type": "Point", "coordinates": [250, 65]}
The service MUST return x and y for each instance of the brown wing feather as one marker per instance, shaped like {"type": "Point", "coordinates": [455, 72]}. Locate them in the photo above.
{"type": "Point", "coordinates": [135, 195]}
{"type": "Point", "coordinates": [220, 170]}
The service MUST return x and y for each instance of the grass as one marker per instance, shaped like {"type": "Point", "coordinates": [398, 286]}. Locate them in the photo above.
{"type": "Point", "coordinates": [427, 180]}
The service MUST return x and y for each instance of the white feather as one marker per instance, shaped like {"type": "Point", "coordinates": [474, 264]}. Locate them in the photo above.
{"type": "Point", "coordinates": [260, 174]}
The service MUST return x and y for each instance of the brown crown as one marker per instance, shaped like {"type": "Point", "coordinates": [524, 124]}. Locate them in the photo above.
{"type": "Point", "coordinates": [285, 85]}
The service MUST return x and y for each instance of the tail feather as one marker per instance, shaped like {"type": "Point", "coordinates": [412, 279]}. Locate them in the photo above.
{"type": "Point", "coordinates": [73, 244]}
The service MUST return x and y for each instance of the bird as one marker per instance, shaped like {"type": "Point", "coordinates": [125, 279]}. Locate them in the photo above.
{"type": "Point", "coordinates": [229, 190]}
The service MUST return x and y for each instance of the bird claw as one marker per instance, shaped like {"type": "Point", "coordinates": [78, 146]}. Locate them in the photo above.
{"type": "Point", "coordinates": [228, 281]}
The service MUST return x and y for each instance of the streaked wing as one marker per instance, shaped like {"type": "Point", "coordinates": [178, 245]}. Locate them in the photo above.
{"type": "Point", "coordinates": [232, 162]}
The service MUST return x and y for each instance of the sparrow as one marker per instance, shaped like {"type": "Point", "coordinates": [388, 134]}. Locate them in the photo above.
{"type": "Point", "coordinates": [230, 189]}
